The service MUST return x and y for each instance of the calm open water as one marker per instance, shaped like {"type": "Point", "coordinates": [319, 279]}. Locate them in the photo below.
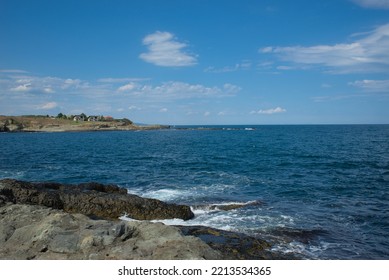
{"type": "Point", "coordinates": [322, 191]}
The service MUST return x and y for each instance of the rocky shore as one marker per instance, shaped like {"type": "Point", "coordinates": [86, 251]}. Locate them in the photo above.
{"type": "Point", "coordinates": [50, 124]}
{"type": "Point", "coordinates": [57, 221]}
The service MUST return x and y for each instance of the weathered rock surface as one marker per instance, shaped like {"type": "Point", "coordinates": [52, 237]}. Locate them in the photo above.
{"type": "Point", "coordinates": [234, 245]}
{"type": "Point", "coordinates": [93, 199]}
{"type": "Point", "coordinates": [56, 221]}
{"type": "Point", "coordinates": [10, 125]}
{"type": "Point", "coordinates": [38, 232]}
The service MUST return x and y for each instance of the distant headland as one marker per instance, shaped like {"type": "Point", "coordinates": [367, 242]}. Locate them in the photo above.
{"type": "Point", "coordinates": [63, 123]}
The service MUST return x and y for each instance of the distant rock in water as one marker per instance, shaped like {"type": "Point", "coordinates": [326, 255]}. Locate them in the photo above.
{"type": "Point", "coordinates": [93, 199]}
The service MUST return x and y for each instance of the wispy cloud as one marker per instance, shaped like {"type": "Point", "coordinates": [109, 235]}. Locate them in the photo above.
{"type": "Point", "coordinates": [22, 88]}
{"type": "Point", "coordinates": [127, 87]}
{"type": "Point", "coordinates": [372, 85]}
{"type": "Point", "coordinates": [165, 50]}
{"type": "Point", "coordinates": [330, 98]}
{"type": "Point", "coordinates": [121, 80]}
{"type": "Point", "coordinates": [174, 90]}
{"type": "Point", "coordinates": [48, 106]}
{"type": "Point", "coordinates": [24, 94]}
{"type": "Point", "coordinates": [269, 111]}
{"type": "Point", "coordinates": [375, 4]}
{"type": "Point", "coordinates": [244, 65]}
{"type": "Point", "coordinates": [13, 71]}
{"type": "Point", "coordinates": [367, 54]}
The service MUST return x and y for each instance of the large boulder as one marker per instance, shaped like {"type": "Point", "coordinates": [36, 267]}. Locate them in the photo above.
{"type": "Point", "coordinates": [93, 199]}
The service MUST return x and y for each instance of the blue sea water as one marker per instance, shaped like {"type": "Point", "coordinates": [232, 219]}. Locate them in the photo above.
{"type": "Point", "coordinates": [322, 192]}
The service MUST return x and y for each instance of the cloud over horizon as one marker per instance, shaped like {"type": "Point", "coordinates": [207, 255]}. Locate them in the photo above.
{"type": "Point", "coordinates": [165, 50]}
{"type": "Point", "coordinates": [28, 94]}
{"type": "Point", "coordinates": [367, 54]}
{"type": "Point", "coordinates": [269, 111]}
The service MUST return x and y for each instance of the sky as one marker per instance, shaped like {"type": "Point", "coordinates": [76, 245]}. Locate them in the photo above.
{"type": "Point", "coordinates": [197, 62]}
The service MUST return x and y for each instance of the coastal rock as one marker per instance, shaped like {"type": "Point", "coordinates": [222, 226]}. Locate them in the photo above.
{"type": "Point", "coordinates": [38, 232]}
{"type": "Point", "coordinates": [93, 199]}
{"type": "Point", "coordinates": [234, 245]}
{"type": "Point", "coordinates": [10, 125]}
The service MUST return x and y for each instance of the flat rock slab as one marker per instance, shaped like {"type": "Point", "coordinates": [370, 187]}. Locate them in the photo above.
{"type": "Point", "coordinates": [38, 232]}
{"type": "Point", "coordinates": [93, 199]}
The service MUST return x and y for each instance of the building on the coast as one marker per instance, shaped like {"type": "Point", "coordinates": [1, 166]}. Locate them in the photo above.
{"type": "Point", "coordinates": [78, 118]}
{"type": "Point", "coordinates": [94, 118]}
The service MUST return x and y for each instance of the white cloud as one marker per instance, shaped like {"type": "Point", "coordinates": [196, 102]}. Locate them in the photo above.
{"type": "Point", "coordinates": [127, 87]}
{"type": "Point", "coordinates": [206, 114]}
{"type": "Point", "coordinates": [22, 88]}
{"type": "Point", "coordinates": [378, 4]}
{"type": "Point", "coordinates": [232, 89]}
{"type": "Point", "coordinates": [134, 108]}
{"type": "Point", "coordinates": [67, 83]}
{"type": "Point", "coordinates": [48, 106]}
{"type": "Point", "coordinates": [368, 54]}
{"type": "Point", "coordinates": [284, 67]}
{"type": "Point", "coordinates": [22, 94]}
{"type": "Point", "coordinates": [163, 110]}
{"type": "Point", "coordinates": [121, 80]}
{"type": "Point", "coordinates": [165, 50]}
{"type": "Point", "coordinates": [244, 65]}
{"type": "Point", "coordinates": [372, 85]}
{"type": "Point", "coordinates": [180, 90]}
{"type": "Point", "coordinates": [48, 90]}
{"type": "Point", "coordinates": [269, 111]}
{"type": "Point", "coordinates": [36, 85]}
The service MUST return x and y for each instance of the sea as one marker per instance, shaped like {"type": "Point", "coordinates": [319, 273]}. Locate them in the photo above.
{"type": "Point", "coordinates": [315, 191]}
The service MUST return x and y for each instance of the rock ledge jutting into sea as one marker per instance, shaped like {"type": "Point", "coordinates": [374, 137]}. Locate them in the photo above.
{"type": "Point", "coordinates": [93, 199]}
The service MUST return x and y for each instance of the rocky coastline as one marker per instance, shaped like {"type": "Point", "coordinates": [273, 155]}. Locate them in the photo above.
{"type": "Point", "coordinates": [51, 124]}
{"type": "Point", "coordinates": [58, 221]}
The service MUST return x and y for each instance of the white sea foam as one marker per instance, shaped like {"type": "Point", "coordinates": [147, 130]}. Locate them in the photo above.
{"type": "Point", "coordinates": [12, 174]}
{"type": "Point", "coordinates": [161, 194]}
{"type": "Point", "coordinates": [309, 251]}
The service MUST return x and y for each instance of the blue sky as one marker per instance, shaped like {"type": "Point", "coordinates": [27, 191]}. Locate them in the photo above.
{"type": "Point", "coordinates": [197, 62]}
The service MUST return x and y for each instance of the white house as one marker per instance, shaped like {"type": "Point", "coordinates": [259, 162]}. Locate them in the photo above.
{"type": "Point", "coordinates": [93, 118]}
{"type": "Point", "coordinates": [78, 118]}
